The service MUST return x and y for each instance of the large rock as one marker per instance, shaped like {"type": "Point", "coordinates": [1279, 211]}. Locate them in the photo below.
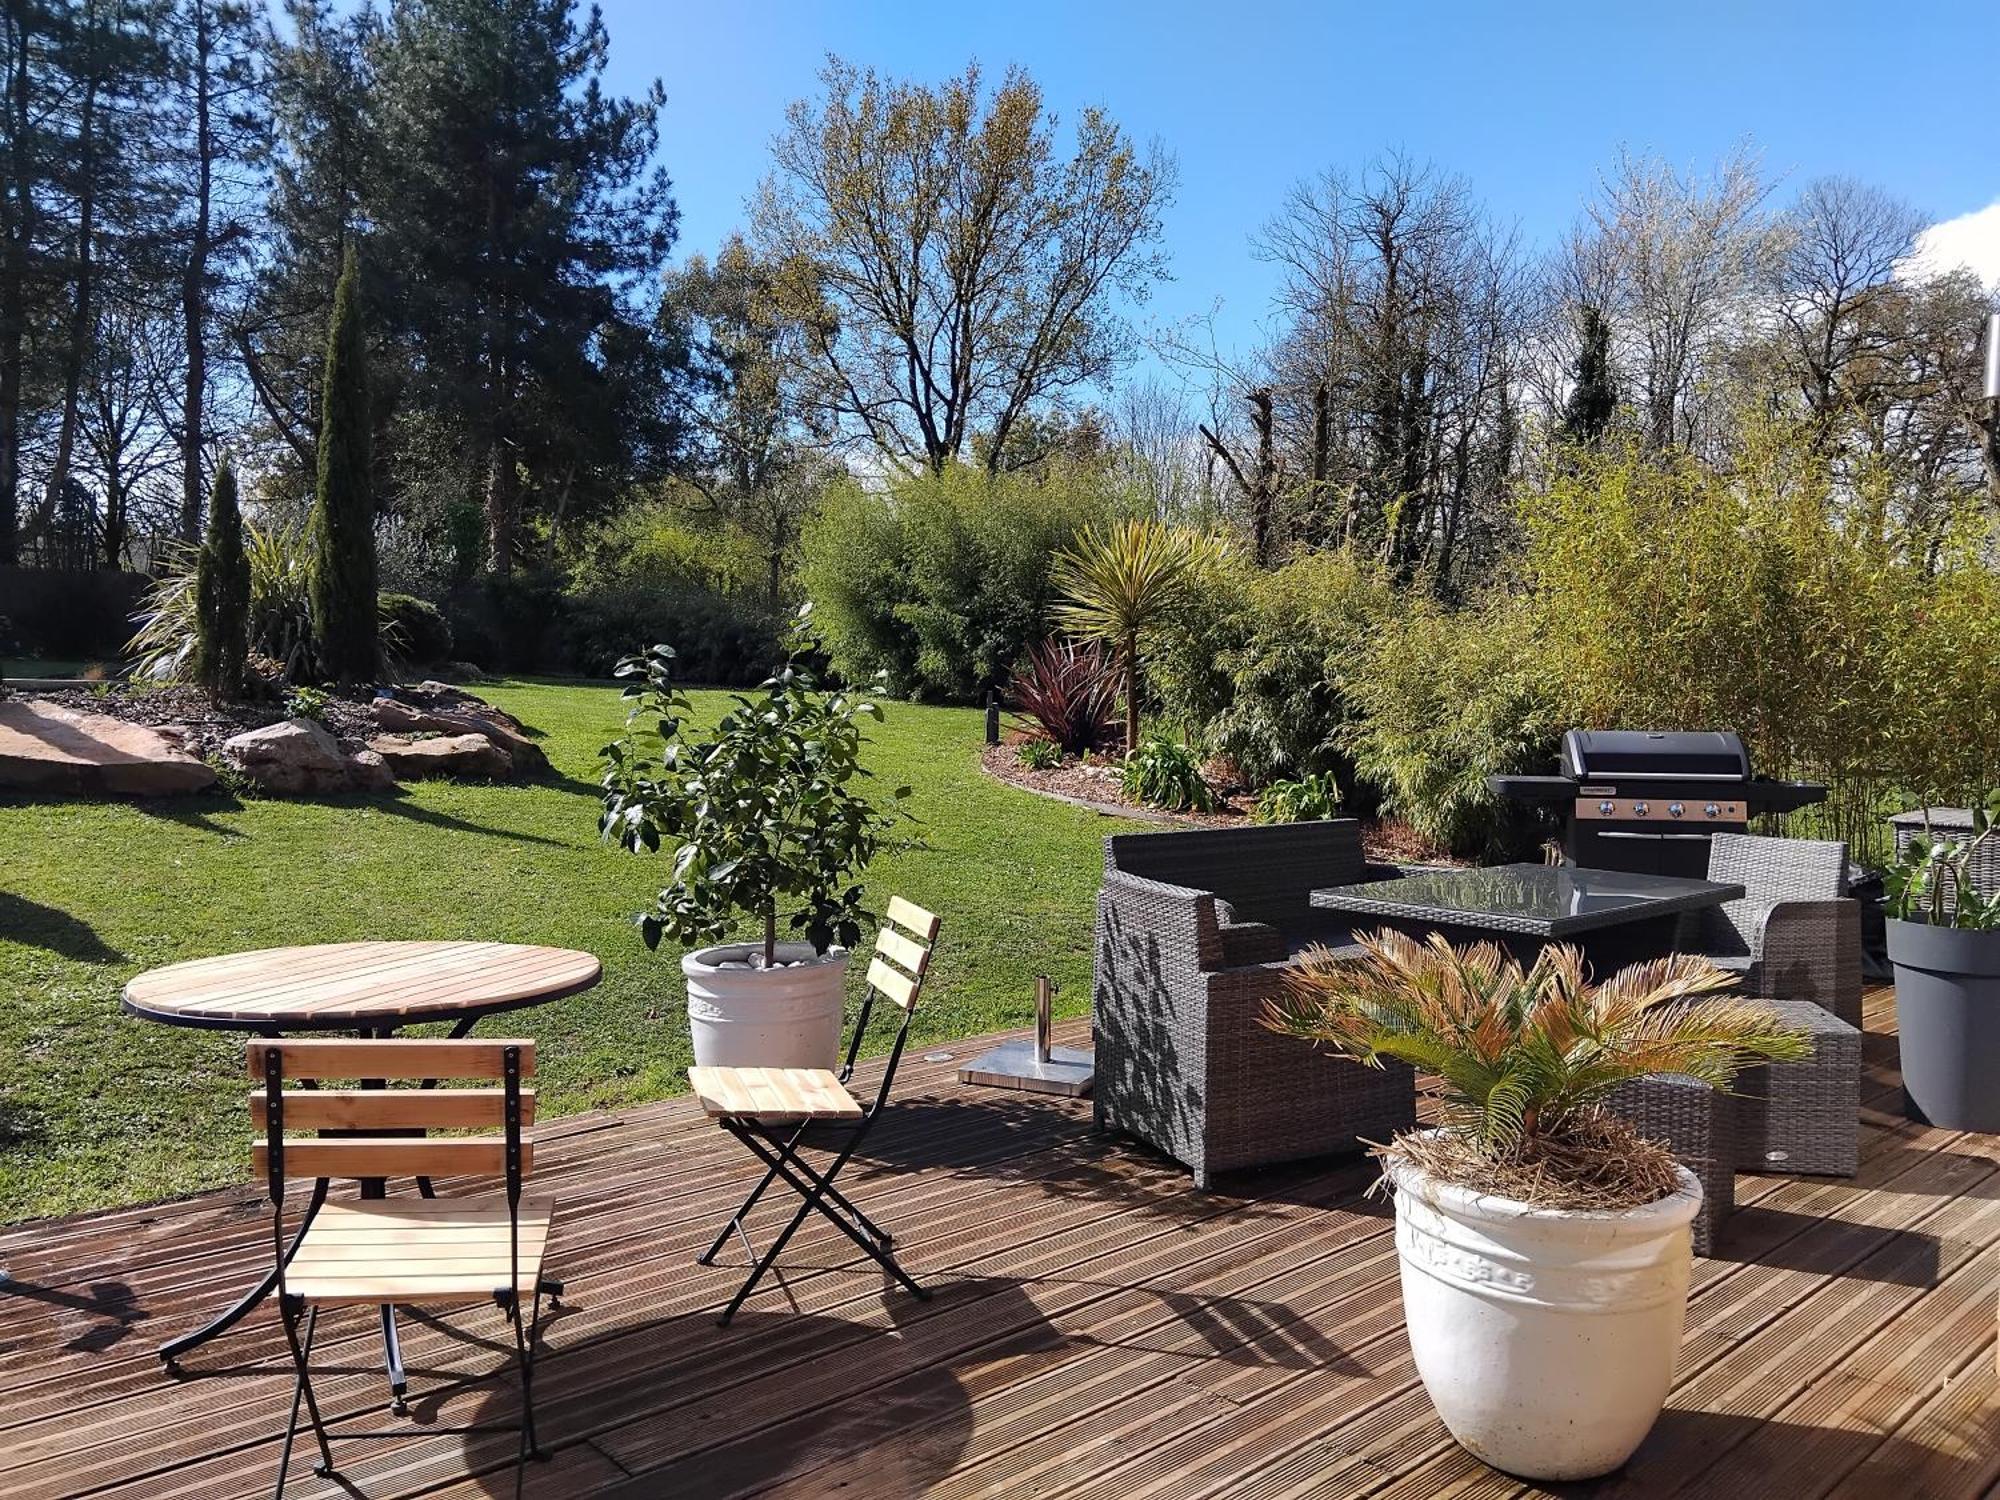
{"type": "Point", "coordinates": [444, 755]}
{"type": "Point", "coordinates": [437, 708]}
{"type": "Point", "coordinates": [299, 757]}
{"type": "Point", "coordinates": [47, 748]}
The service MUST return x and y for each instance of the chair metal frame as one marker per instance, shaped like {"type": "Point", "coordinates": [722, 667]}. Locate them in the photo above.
{"type": "Point", "coordinates": [295, 1311]}
{"type": "Point", "coordinates": [779, 1150]}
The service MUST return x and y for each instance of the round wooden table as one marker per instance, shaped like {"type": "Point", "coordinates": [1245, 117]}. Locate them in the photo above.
{"type": "Point", "coordinates": [373, 989]}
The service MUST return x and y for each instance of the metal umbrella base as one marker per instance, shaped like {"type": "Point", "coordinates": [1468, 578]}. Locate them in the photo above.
{"type": "Point", "coordinates": [1014, 1065]}
{"type": "Point", "coordinates": [1032, 1065]}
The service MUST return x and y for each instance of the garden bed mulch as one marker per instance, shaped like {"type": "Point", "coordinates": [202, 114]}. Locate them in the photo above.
{"type": "Point", "coordinates": [1095, 786]}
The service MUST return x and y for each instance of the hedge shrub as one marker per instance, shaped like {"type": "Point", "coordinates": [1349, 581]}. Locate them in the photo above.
{"type": "Point", "coordinates": [942, 580]}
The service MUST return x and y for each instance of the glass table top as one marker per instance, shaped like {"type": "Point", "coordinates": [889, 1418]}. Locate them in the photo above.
{"type": "Point", "coordinates": [1552, 899]}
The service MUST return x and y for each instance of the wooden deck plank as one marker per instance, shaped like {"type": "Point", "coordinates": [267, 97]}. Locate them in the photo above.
{"type": "Point", "coordinates": [1100, 1330]}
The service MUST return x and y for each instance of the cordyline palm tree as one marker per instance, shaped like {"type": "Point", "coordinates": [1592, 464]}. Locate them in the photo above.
{"type": "Point", "coordinates": [1525, 1054]}
{"type": "Point", "coordinates": [1119, 583]}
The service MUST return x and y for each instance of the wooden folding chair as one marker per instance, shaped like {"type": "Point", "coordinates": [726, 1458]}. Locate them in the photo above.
{"type": "Point", "coordinates": [414, 1250]}
{"type": "Point", "coordinates": [773, 1110]}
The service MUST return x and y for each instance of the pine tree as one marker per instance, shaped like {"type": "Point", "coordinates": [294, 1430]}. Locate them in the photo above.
{"type": "Point", "coordinates": [1593, 396]}
{"type": "Point", "coordinates": [222, 594]}
{"type": "Point", "coordinates": [341, 543]}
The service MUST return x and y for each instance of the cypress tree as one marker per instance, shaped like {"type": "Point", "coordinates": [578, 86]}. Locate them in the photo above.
{"type": "Point", "coordinates": [1593, 396]}
{"type": "Point", "coordinates": [222, 594]}
{"type": "Point", "coordinates": [341, 541]}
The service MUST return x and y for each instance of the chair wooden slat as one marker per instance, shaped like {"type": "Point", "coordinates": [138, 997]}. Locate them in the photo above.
{"type": "Point", "coordinates": [421, 1250]}
{"type": "Point", "coordinates": [397, 1057]}
{"type": "Point", "coordinates": [911, 955]}
{"type": "Point", "coordinates": [897, 985]}
{"type": "Point", "coordinates": [394, 1109]}
{"type": "Point", "coordinates": [394, 1156]}
{"type": "Point", "coordinates": [771, 1094]}
{"type": "Point", "coordinates": [924, 924]}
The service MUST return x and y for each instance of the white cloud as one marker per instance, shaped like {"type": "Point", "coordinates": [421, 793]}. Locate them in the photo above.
{"type": "Point", "coordinates": [1971, 240]}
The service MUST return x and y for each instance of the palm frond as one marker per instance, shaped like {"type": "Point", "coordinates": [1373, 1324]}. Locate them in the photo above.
{"type": "Point", "coordinates": [1522, 1053]}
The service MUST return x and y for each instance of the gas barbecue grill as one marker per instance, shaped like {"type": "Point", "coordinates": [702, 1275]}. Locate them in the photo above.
{"type": "Point", "coordinates": [1648, 802]}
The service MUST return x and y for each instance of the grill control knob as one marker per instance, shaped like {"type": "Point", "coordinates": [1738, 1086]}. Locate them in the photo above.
{"type": "Point", "coordinates": [1674, 809]}
{"type": "Point", "coordinates": [1638, 809]}
{"type": "Point", "coordinates": [1712, 810]}
{"type": "Point", "coordinates": [1606, 809]}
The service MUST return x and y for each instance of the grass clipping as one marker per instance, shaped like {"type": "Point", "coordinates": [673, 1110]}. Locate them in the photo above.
{"type": "Point", "coordinates": [1595, 1161]}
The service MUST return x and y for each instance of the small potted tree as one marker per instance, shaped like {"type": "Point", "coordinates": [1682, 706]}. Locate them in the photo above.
{"type": "Point", "coordinates": [1944, 942]}
{"type": "Point", "coordinates": [1544, 1246]}
{"type": "Point", "coordinates": [768, 822]}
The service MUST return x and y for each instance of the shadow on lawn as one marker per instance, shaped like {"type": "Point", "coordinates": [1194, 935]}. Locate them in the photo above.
{"type": "Point", "coordinates": [38, 926]}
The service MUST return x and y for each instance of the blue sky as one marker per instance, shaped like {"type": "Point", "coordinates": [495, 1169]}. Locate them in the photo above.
{"type": "Point", "coordinates": [1527, 100]}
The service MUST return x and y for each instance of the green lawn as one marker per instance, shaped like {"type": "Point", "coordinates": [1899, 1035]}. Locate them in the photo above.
{"type": "Point", "coordinates": [98, 1109]}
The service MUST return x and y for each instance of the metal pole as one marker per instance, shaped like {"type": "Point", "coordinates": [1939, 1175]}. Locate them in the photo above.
{"type": "Point", "coordinates": [1993, 357]}
{"type": "Point", "coordinates": [1045, 994]}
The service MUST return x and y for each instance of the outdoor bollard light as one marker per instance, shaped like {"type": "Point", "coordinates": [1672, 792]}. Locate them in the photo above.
{"type": "Point", "coordinates": [993, 716]}
{"type": "Point", "coordinates": [1034, 1066]}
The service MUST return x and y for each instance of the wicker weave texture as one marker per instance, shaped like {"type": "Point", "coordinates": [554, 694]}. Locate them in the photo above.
{"type": "Point", "coordinates": [1183, 1059]}
{"type": "Point", "coordinates": [1803, 1116]}
{"type": "Point", "coordinates": [1795, 935]}
{"type": "Point", "coordinates": [1698, 1124]}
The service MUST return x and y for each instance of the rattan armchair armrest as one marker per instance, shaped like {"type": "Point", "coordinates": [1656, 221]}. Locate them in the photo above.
{"type": "Point", "coordinates": [1181, 918]}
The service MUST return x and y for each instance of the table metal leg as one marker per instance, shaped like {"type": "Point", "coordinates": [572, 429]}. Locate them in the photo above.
{"type": "Point", "coordinates": [392, 1361]}
{"type": "Point", "coordinates": [172, 1350]}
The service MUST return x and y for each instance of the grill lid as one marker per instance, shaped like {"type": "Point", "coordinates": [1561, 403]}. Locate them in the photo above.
{"type": "Point", "coordinates": [1607, 754]}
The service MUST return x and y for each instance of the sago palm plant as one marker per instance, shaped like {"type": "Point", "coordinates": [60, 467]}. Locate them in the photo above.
{"type": "Point", "coordinates": [1527, 1055]}
{"type": "Point", "coordinates": [1120, 583]}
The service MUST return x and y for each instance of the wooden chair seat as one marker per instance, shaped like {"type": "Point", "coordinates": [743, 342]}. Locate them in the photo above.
{"type": "Point", "coordinates": [773, 1096]}
{"type": "Point", "coordinates": [417, 1250]}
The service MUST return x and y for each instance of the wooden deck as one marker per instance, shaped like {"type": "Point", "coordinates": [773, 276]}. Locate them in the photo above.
{"type": "Point", "coordinates": [1099, 1330]}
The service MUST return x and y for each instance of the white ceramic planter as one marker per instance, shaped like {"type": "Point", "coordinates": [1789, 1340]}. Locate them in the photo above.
{"type": "Point", "coordinates": [744, 1017]}
{"type": "Point", "coordinates": [1545, 1337]}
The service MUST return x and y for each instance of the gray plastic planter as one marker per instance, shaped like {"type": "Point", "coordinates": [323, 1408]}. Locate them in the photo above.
{"type": "Point", "coordinates": [1948, 1018]}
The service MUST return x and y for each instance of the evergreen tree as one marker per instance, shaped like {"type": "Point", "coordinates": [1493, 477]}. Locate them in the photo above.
{"type": "Point", "coordinates": [1593, 396]}
{"type": "Point", "coordinates": [341, 543]}
{"type": "Point", "coordinates": [517, 209]}
{"type": "Point", "coordinates": [222, 594]}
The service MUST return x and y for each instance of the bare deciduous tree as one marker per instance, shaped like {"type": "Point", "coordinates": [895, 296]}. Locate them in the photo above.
{"type": "Point", "coordinates": [952, 272]}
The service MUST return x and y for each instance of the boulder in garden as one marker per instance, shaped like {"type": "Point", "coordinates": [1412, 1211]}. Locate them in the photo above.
{"type": "Point", "coordinates": [45, 747]}
{"type": "Point", "coordinates": [295, 757]}
{"type": "Point", "coordinates": [471, 755]}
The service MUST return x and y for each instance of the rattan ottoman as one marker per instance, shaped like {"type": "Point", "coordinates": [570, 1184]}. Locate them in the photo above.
{"type": "Point", "coordinates": [1803, 1116]}
{"type": "Point", "coordinates": [1697, 1123]}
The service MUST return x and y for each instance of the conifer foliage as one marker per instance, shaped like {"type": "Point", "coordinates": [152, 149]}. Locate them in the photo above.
{"type": "Point", "coordinates": [342, 529]}
{"type": "Point", "coordinates": [222, 594]}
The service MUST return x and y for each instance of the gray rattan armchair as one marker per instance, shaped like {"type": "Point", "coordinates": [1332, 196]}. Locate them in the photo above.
{"type": "Point", "coordinates": [1193, 934]}
{"type": "Point", "coordinates": [1795, 935]}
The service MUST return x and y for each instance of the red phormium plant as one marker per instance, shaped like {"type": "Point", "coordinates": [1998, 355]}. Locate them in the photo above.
{"type": "Point", "coordinates": [1069, 691]}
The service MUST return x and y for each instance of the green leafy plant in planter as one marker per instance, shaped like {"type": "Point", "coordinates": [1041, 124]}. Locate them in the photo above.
{"type": "Point", "coordinates": [1931, 881]}
{"type": "Point", "coordinates": [1544, 1245]}
{"type": "Point", "coordinates": [765, 811]}
{"type": "Point", "coordinates": [1944, 944]}
{"type": "Point", "coordinates": [1163, 772]}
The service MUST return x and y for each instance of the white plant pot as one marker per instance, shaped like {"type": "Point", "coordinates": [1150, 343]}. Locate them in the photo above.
{"type": "Point", "coordinates": [783, 1017]}
{"type": "Point", "coordinates": [1545, 1337]}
